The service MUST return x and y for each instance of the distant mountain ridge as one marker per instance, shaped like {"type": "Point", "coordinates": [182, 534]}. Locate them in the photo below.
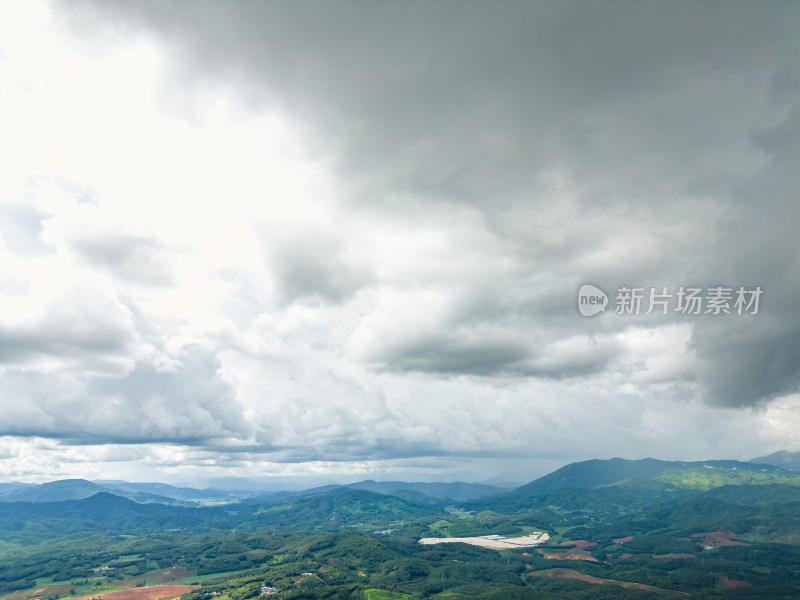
{"type": "Point", "coordinates": [162, 493]}
{"type": "Point", "coordinates": [783, 459]}
{"type": "Point", "coordinates": [587, 474]}
{"type": "Point", "coordinates": [414, 492]}
{"type": "Point", "coordinates": [457, 491]}
{"type": "Point", "coordinates": [597, 472]}
{"type": "Point", "coordinates": [73, 489]}
{"type": "Point", "coordinates": [595, 487]}
{"type": "Point", "coordinates": [13, 485]}
{"type": "Point", "coordinates": [165, 490]}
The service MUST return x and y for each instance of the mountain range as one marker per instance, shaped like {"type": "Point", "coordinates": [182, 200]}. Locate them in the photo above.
{"type": "Point", "coordinates": [783, 459]}
{"type": "Point", "coordinates": [613, 486]}
{"type": "Point", "coordinates": [585, 474]}
{"type": "Point", "coordinates": [161, 493]}
{"type": "Point", "coordinates": [680, 526]}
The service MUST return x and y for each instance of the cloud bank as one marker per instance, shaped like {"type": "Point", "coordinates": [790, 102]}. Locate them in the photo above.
{"type": "Point", "coordinates": [267, 234]}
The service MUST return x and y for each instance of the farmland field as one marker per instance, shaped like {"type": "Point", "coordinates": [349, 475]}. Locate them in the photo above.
{"type": "Point", "coordinates": [572, 574]}
{"type": "Point", "coordinates": [151, 592]}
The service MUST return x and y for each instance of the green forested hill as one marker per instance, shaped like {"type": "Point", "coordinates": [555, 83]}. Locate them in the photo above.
{"type": "Point", "coordinates": [595, 473]}
{"type": "Point", "coordinates": [29, 523]}
{"type": "Point", "coordinates": [783, 459]}
{"type": "Point", "coordinates": [707, 477]}
{"type": "Point", "coordinates": [337, 508]}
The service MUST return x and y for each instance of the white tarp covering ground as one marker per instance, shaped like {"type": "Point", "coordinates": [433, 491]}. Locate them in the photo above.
{"type": "Point", "coordinates": [494, 541]}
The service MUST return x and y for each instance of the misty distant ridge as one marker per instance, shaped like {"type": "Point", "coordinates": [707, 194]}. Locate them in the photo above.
{"type": "Point", "coordinates": [783, 459]}
{"type": "Point", "coordinates": [160, 493]}
{"type": "Point", "coordinates": [584, 474]}
{"type": "Point", "coordinates": [74, 489]}
{"type": "Point", "coordinates": [713, 489]}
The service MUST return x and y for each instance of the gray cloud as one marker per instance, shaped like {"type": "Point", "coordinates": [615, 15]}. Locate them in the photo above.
{"type": "Point", "coordinates": [454, 355]}
{"type": "Point", "coordinates": [507, 152]}
{"type": "Point", "coordinates": [85, 329]}
{"type": "Point", "coordinates": [192, 404]}
{"type": "Point", "coordinates": [469, 101]}
{"type": "Point", "coordinates": [316, 264]}
{"type": "Point", "coordinates": [752, 361]}
{"type": "Point", "coordinates": [656, 112]}
{"type": "Point", "coordinates": [136, 258]}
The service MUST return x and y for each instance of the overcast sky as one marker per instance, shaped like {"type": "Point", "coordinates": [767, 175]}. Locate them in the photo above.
{"type": "Point", "coordinates": [345, 239]}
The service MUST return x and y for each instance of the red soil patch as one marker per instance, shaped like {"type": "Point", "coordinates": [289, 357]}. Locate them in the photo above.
{"type": "Point", "coordinates": [722, 537]}
{"type": "Point", "coordinates": [572, 574]}
{"type": "Point", "coordinates": [734, 583]}
{"type": "Point", "coordinates": [623, 540]}
{"type": "Point", "coordinates": [150, 592]}
{"type": "Point", "coordinates": [581, 544]}
{"type": "Point", "coordinates": [571, 555]}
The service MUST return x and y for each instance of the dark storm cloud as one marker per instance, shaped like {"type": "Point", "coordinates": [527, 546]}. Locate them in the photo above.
{"type": "Point", "coordinates": [454, 355]}
{"type": "Point", "coordinates": [650, 143]}
{"type": "Point", "coordinates": [468, 100]}
{"type": "Point", "coordinates": [747, 362]}
{"type": "Point", "coordinates": [487, 355]}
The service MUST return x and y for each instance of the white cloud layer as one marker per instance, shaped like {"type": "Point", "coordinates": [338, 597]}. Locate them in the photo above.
{"type": "Point", "coordinates": [286, 238]}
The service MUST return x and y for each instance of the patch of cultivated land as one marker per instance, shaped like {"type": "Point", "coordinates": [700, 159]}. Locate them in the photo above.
{"type": "Point", "coordinates": [573, 550]}
{"type": "Point", "coordinates": [161, 576]}
{"type": "Point", "coordinates": [384, 595]}
{"type": "Point", "coordinates": [39, 592]}
{"type": "Point", "coordinates": [580, 544]}
{"type": "Point", "coordinates": [573, 574]}
{"type": "Point", "coordinates": [149, 592]}
{"type": "Point", "coordinates": [568, 554]}
{"type": "Point", "coordinates": [167, 575]}
{"type": "Point", "coordinates": [734, 583]}
{"type": "Point", "coordinates": [722, 537]}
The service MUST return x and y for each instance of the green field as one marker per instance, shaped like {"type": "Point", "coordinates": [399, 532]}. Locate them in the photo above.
{"type": "Point", "coordinates": [704, 478]}
{"type": "Point", "coordinates": [384, 595]}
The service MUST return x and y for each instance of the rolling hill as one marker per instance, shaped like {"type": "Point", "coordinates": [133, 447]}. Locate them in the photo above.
{"type": "Point", "coordinates": [596, 473]}
{"type": "Point", "coordinates": [31, 522]}
{"type": "Point", "coordinates": [74, 489]}
{"type": "Point", "coordinates": [783, 459]}
{"type": "Point", "coordinates": [134, 490]}
{"type": "Point", "coordinates": [334, 509]}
